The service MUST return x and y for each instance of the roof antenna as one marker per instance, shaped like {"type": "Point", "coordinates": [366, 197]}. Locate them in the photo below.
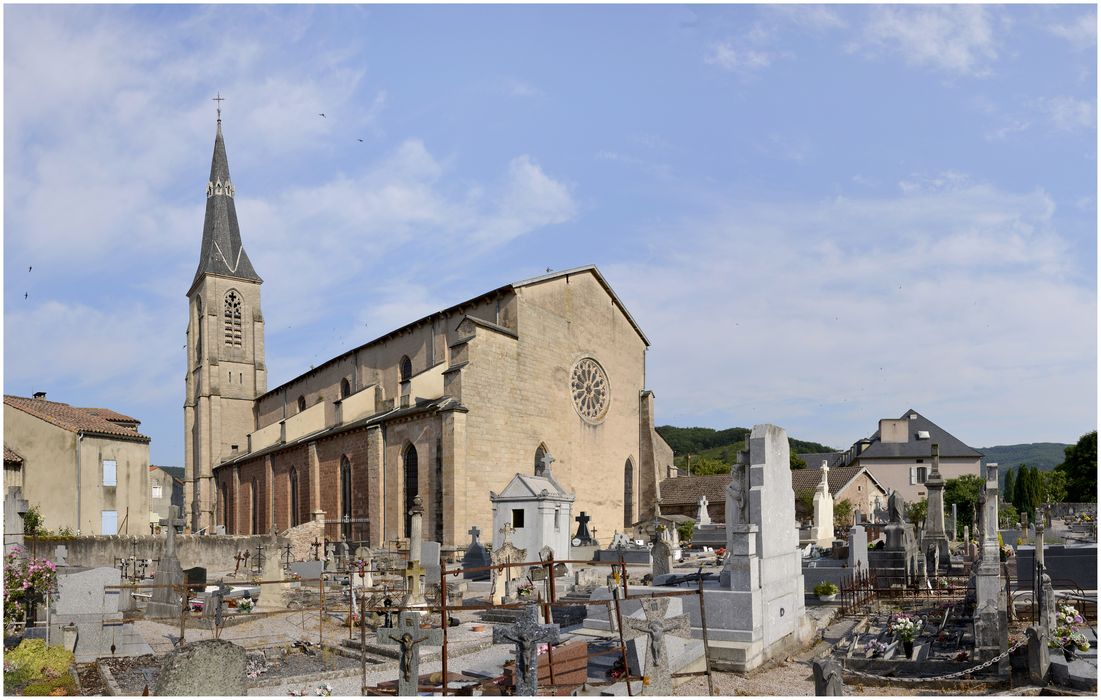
{"type": "Point", "coordinates": [219, 99]}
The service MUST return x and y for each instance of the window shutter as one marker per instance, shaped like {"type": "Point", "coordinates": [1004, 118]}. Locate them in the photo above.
{"type": "Point", "coordinates": [913, 475]}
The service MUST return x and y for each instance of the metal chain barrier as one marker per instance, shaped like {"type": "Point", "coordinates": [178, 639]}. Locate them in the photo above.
{"type": "Point", "coordinates": [945, 677]}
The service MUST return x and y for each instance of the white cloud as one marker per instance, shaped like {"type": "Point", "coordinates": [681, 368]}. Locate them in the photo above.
{"type": "Point", "coordinates": [1068, 113]}
{"type": "Point", "coordinates": [519, 88]}
{"type": "Point", "coordinates": [956, 39]}
{"type": "Point", "coordinates": [1007, 129]}
{"type": "Point", "coordinates": [954, 296]}
{"type": "Point", "coordinates": [737, 60]}
{"type": "Point", "coordinates": [1080, 32]}
{"type": "Point", "coordinates": [814, 17]}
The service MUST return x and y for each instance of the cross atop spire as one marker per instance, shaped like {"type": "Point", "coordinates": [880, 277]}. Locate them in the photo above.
{"type": "Point", "coordinates": [219, 99]}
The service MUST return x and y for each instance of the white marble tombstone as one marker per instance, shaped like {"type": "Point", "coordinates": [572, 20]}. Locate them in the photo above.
{"type": "Point", "coordinates": [823, 510]}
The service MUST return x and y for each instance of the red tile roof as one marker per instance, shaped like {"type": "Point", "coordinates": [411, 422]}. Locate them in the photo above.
{"type": "Point", "coordinates": [74, 419]}
{"type": "Point", "coordinates": [113, 416]}
{"type": "Point", "coordinates": [11, 456]}
{"type": "Point", "coordinates": [681, 491]}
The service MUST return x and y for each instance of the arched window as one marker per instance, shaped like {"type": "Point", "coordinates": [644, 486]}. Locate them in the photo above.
{"type": "Point", "coordinates": [199, 335]}
{"type": "Point", "coordinates": [540, 453]}
{"type": "Point", "coordinates": [409, 460]}
{"type": "Point", "coordinates": [346, 497]}
{"type": "Point", "coordinates": [301, 403]}
{"type": "Point", "coordinates": [293, 490]}
{"type": "Point", "coordinates": [628, 493]}
{"type": "Point", "coordinates": [345, 388]}
{"type": "Point", "coordinates": [232, 318]}
{"type": "Point", "coordinates": [254, 503]}
{"type": "Point", "coordinates": [406, 368]}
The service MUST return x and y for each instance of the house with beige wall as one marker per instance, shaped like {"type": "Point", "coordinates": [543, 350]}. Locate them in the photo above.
{"type": "Point", "coordinates": [84, 468]}
{"type": "Point", "coordinates": [449, 406]}
{"type": "Point", "coordinates": [900, 455]}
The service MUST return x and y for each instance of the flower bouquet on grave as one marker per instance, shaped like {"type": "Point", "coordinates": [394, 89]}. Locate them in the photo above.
{"type": "Point", "coordinates": [525, 591]}
{"type": "Point", "coordinates": [875, 648]}
{"type": "Point", "coordinates": [904, 629]}
{"type": "Point", "coordinates": [324, 690]}
{"type": "Point", "coordinates": [244, 605]}
{"type": "Point", "coordinates": [1066, 635]}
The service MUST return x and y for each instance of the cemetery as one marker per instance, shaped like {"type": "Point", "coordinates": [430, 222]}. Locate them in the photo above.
{"type": "Point", "coordinates": [529, 610]}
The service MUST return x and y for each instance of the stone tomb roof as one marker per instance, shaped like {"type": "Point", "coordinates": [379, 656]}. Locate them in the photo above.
{"type": "Point", "coordinates": [11, 456]}
{"type": "Point", "coordinates": [523, 487]}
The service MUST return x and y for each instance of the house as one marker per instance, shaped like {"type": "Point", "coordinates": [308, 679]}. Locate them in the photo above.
{"type": "Point", "coordinates": [681, 495]}
{"type": "Point", "coordinates": [85, 469]}
{"type": "Point", "coordinates": [900, 455]}
{"type": "Point", "coordinates": [166, 489]}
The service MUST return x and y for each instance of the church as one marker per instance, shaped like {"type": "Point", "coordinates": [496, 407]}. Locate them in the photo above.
{"type": "Point", "coordinates": [448, 407]}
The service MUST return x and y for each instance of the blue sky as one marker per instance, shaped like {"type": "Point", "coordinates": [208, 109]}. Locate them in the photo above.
{"type": "Point", "coordinates": [820, 215]}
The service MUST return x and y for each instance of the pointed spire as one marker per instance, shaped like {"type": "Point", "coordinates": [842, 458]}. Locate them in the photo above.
{"type": "Point", "coordinates": [222, 251]}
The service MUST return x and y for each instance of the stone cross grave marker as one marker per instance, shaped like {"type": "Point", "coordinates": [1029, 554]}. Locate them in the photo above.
{"type": "Point", "coordinates": [582, 535]}
{"type": "Point", "coordinates": [526, 634]}
{"type": "Point", "coordinates": [702, 517]}
{"type": "Point", "coordinates": [475, 556]}
{"type": "Point", "coordinates": [662, 553]}
{"type": "Point", "coordinates": [656, 625]}
{"type": "Point", "coordinates": [171, 522]}
{"type": "Point", "coordinates": [619, 540]}
{"type": "Point", "coordinates": [408, 635]}
{"type": "Point", "coordinates": [506, 554]}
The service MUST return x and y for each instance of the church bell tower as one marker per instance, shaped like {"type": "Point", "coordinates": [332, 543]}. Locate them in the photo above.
{"type": "Point", "coordinates": [225, 347]}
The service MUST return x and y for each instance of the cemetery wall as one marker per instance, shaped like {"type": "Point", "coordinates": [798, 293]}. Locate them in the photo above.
{"type": "Point", "coordinates": [213, 552]}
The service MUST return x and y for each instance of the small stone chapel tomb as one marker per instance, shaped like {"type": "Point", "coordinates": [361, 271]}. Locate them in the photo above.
{"type": "Point", "coordinates": [539, 511]}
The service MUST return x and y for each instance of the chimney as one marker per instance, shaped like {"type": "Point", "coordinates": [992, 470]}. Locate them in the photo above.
{"type": "Point", "coordinates": [40, 395]}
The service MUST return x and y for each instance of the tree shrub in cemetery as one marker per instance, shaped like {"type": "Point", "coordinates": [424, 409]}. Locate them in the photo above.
{"type": "Point", "coordinates": [1080, 466]}
{"type": "Point", "coordinates": [32, 668]}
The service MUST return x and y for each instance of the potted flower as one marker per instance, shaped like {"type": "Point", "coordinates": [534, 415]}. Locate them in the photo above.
{"type": "Point", "coordinates": [904, 629]}
{"type": "Point", "coordinates": [525, 590]}
{"type": "Point", "coordinates": [1066, 635]}
{"type": "Point", "coordinates": [244, 605]}
{"type": "Point", "coordinates": [875, 648]}
{"type": "Point", "coordinates": [826, 591]}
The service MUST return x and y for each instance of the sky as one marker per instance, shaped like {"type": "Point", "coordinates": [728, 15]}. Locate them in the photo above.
{"type": "Point", "coordinates": [820, 215]}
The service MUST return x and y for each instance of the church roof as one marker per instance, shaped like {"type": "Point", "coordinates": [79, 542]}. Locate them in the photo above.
{"type": "Point", "coordinates": [222, 252]}
{"type": "Point", "coordinates": [470, 302]}
{"type": "Point", "coordinates": [71, 418]}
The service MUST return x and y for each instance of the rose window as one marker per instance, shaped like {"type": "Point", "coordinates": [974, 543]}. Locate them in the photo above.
{"type": "Point", "coordinates": [589, 387]}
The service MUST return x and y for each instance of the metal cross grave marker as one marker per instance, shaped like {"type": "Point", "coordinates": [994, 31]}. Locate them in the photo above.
{"type": "Point", "coordinates": [526, 634]}
{"type": "Point", "coordinates": [407, 635]}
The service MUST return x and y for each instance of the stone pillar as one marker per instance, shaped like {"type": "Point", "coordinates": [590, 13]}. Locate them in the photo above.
{"type": "Point", "coordinates": [649, 477]}
{"type": "Point", "coordinates": [376, 497]}
{"type": "Point", "coordinates": [858, 548]}
{"type": "Point", "coordinates": [235, 520]}
{"type": "Point", "coordinates": [415, 526]}
{"type": "Point", "coordinates": [991, 623]}
{"type": "Point", "coordinates": [315, 483]}
{"type": "Point", "coordinates": [823, 510]}
{"type": "Point", "coordinates": [935, 532]}
{"type": "Point", "coordinates": [269, 493]}
{"type": "Point", "coordinates": [955, 522]}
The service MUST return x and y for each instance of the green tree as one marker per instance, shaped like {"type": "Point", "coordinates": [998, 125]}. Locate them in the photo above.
{"type": "Point", "coordinates": [915, 512]}
{"type": "Point", "coordinates": [1080, 466]}
{"type": "Point", "coordinates": [33, 524]}
{"type": "Point", "coordinates": [797, 462]}
{"type": "Point", "coordinates": [843, 512]}
{"type": "Point", "coordinates": [964, 492]}
{"type": "Point", "coordinates": [1008, 490]}
{"type": "Point", "coordinates": [804, 503]}
{"type": "Point", "coordinates": [703, 466]}
{"type": "Point", "coordinates": [1054, 486]}
{"type": "Point", "coordinates": [1008, 515]}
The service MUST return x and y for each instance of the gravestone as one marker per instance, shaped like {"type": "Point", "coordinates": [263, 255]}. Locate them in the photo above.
{"type": "Point", "coordinates": [827, 677]}
{"type": "Point", "coordinates": [207, 667]}
{"type": "Point", "coordinates": [662, 552]}
{"type": "Point", "coordinates": [526, 634]}
{"type": "Point", "coordinates": [506, 554]}
{"type": "Point", "coordinates": [896, 563]}
{"type": "Point", "coordinates": [430, 560]}
{"type": "Point", "coordinates": [195, 576]}
{"type": "Point", "coordinates": [858, 548]}
{"type": "Point", "coordinates": [413, 571]}
{"type": "Point", "coordinates": [1039, 659]}
{"type": "Point", "coordinates": [307, 570]}
{"type": "Point", "coordinates": [654, 626]}
{"type": "Point", "coordinates": [271, 594]}
{"type": "Point", "coordinates": [15, 507]}
{"type": "Point", "coordinates": [823, 510]}
{"type": "Point", "coordinates": [955, 521]}
{"type": "Point", "coordinates": [61, 555]}
{"type": "Point", "coordinates": [342, 553]}
{"type": "Point", "coordinates": [408, 636]}
{"type": "Point", "coordinates": [764, 569]}
{"type": "Point", "coordinates": [991, 618]}
{"type": "Point", "coordinates": [936, 535]}
{"type": "Point", "coordinates": [476, 556]}
{"type": "Point", "coordinates": [165, 600]}
{"type": "Point", "coordinates": [702, 516]}
{"type": "Point", "coordinates": [583, 536]}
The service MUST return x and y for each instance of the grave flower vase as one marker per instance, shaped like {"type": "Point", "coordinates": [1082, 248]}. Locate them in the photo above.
{"type": "Point", "coordinates": [908, 647]}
